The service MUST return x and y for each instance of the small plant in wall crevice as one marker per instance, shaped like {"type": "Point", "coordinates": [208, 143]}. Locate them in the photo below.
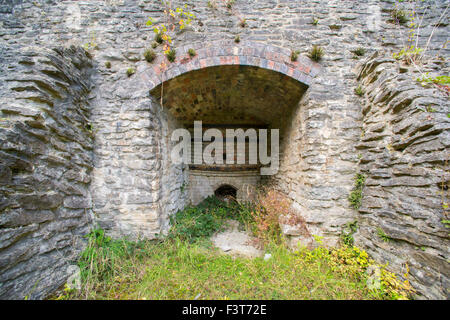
{"type": "Point", "coordinates": [359, 91]}
{"type": "Point", "coordinates": [383, 236]}
{"type": "Point", "coordinates": [359, 52]}
{"type": "Point", "coordinates": [149, 55]}
{"type": "Point", "coordinates": [158, 38]}
{"type": "Point", "coordinates": [192, 53]}
{"type": "Point", "coordinates": [316, 53]}
{"type": "Point", "coordinates": [355, 196]}
{"type": "Point", "coordinates": [347, 233]}
{"type": "Point", "coordinates": [399, 16]}
{"type": "Point", "coordinates": [89, 128]}
{"type": "Point", "coordinates": [171, 55]}
{"type": "Point", "coordinates": [294, 55]}
{"type": "Point", "coordinates": [130, 72]}
{"type": "Point", "coordinates": [212, 4]}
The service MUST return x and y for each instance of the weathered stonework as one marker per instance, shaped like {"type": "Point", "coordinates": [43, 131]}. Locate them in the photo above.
{"type": "Point", "coordinates": [404, 154]}
{"type": "Point", "coordinates": [225, 81]}
{"type": "Point", "coordinates": [46, 162]}
{"type": "Point", "coordinates": [80, 138]}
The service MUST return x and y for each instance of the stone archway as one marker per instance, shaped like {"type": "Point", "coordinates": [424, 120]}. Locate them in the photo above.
{"type": "Point", "coordinates": [225, 84]}
{"type": "Point", "coordinates": [225, 52]}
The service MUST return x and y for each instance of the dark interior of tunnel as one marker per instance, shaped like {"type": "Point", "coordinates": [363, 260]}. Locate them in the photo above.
{"type": "Point", "coordinates": [232, 96]}
{"type": "Point", "coordinates": [226, 192]}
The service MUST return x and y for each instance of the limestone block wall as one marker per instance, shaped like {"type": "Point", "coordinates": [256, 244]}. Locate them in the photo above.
{"type": "Point", "coordinates": [318, 159]}
{"type": "Point", "coordinates": [135, 187]}
{"type": "Point", "coordinates": [174, 177]}
{"type": "Point", "coordinates": [203, 183]}
{"type": "Point", "coordinates": [318, 154]}
{"type": "Point", "coordinates": [46, 145]}
{"type": "Point", "coordinates": [404, 155]}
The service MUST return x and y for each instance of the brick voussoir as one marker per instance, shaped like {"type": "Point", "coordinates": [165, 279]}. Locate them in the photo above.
{"type": "Point", "coordinates": [225, 52]}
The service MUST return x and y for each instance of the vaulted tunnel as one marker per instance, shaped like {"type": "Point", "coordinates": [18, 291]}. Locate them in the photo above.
{"type": "Point", "coordinates": [224, 97]}
{"type": "Point", "coordinates": [231, 94]}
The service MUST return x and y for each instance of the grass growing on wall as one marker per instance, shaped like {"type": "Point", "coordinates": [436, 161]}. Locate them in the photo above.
{"type": "Point", "coordinates": [356, 195]}
{"type": "Point", "coordinates": [185, 265]}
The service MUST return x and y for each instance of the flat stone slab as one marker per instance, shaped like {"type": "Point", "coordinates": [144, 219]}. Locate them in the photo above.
{"type": "Point", "coordinates": [235, 242]}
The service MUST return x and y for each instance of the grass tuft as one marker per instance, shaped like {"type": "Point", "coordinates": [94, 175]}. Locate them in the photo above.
{"type": "Point", "coordinates": [399, 16]}
{"type": "Point", "coordinates": [149, 55]}
{"type": "Point", "coordinates": [316, 53]}
{"type": "Point", "coordinates": [130, 72]}
{"type": "Point", "coordinates": [294, 55]}
{"type": "Point", "coordinates": [359, 52]}
{"type": "Point", "coordinates": [192, 53]}
{"type": "Point", "coordinates": [355, 196]}
{"type": "Point", "coordinates": [359, 91]}
{"type": "Point", "coordinates": [171, 55]}
{"type": "Point", "coordinates": [158, 38]}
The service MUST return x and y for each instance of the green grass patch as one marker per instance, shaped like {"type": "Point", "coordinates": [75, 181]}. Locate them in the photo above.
{"type": "Point", "coordinates": [201, 221]}
{"type": "Point", "coordinates": [186, 265]}
{"type": "Point", "coordinates": [181, 270]}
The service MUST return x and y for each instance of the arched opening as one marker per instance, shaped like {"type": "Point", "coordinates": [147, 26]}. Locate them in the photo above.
{"type": "Point", "coordinates": [226, 193]}
{"type": "Point", "coordinates": [252, 89]}
{"type": "Point", "coordinates": [237, 95]}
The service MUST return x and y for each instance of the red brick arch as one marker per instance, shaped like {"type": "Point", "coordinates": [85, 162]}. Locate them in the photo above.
{"type": "Point", "coordinates": [225, 52]}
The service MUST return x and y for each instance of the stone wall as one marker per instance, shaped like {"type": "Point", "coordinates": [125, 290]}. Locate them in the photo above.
{"type": "Point", "coordinates": [45, 167]}
{"type": "Point", "coordinates": [174, 177]}
{"type": "Point", "coordinates": [403, 151]}
{"type": "Point", "coordinates": [318, 154]}
{"type": "Point", "coordinates": [134, 185]}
